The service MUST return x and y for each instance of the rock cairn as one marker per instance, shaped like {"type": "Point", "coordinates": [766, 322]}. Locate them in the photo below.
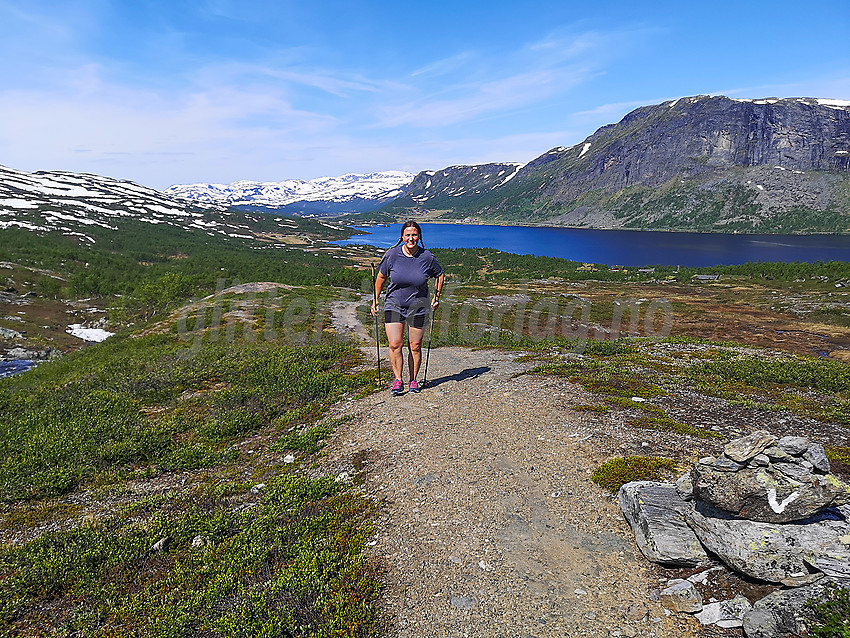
{"type": "Point", "coordinates": [764, 479]}
{"type": "Point", "coordinates": [767, 508]}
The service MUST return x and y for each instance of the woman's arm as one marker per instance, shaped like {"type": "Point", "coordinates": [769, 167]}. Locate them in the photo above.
{"type": "Point", "coordinates": [379, 286]}
{"type": "Point", "coordinates": [438, 291]}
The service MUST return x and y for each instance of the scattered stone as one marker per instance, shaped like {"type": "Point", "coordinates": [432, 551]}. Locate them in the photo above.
{"type": "Point", "coordinates": [24, 354]}
{"type": "Point", "coordinates": [793, 445]}
{"type": "Point", "coordinates": [682, 597]}
{"type": "Point", "coordinates": [661, 533]}
{"type": "Point", "coordinates": [425, 481]}
{"type": "Point", "coordinates": [726, 613]}
{"type": "Point", "coordinates": [745, 448]}
{"type": "Point", "coordinates": [161, 545]}
{"type": "Point", "coordinates": [259, 487]}
{"type": "Point", "coordinates": [200, 541]}
{"type": "Point", "coordinates": [637, 611]}
{"type": "Point", "coordinates": [289, 458]}
{"type": "Point", "coordinates": [343, 477]}
{"type": "Point", "coordinates": [6, 333]}
{"type": "Point", "coordinates": [709, 614]}
{"type": "Point", "coordinates": [732, 612]}
{"type": "Point", "coordinates": [463, 602]}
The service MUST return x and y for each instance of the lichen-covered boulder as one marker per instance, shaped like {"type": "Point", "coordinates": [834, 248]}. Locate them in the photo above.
{"type": "Point", "coordinates": [792, 554]}
{"type": "Point", "coordinates": [661, 534]}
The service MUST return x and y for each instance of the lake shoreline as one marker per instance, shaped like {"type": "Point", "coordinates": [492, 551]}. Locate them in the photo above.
{"type": "Point", "coordinates": [624, 247]}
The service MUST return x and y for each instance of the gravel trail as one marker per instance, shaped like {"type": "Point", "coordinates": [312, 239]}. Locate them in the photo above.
{"type": "Point", "coordinates": [490, 524]}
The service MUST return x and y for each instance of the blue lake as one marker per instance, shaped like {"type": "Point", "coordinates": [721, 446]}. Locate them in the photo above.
{"type": "Point", "coordinates": [8, 368]}
{"type": "Point", "coordinates": [621, 247]}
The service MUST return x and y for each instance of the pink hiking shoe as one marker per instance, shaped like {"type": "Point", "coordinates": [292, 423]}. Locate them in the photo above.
{"type": "Point", "coordinates": [398, 387]}
{"type": "Point", "coordinates": [413, 386]}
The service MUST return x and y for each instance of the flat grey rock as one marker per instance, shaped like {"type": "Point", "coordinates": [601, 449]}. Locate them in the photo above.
{"type": "Point", "coordinates": [795, 471]}
{"type": "Point", "coordinates": [792, 554]}
{"type": "Point", "coordinates": [793, 445]}
{"type": "Point", "coordinates": [661, 533]}
{"type": "Point", "coordinates": [463, 602]}
{"type": "Point", "coordinates": [743, 449]}
{"type": "Point", "coordinates": [682, 597]}
{"type": "Point", "coordinates": [776, 453]}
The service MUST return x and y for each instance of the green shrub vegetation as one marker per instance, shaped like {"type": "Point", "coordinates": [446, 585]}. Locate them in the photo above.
{"type": "Point", "coordinates": [602, 377]}
{"type": "Point", "coordinates": [133, 404]}
{"type": "Point", "coordinates": [292, 564]}
{"type": "Point", "coordinates": [287, 562]}
{"type": "Point", "coordinates": [838, 453]}
{"type": "Point", "coordinates": [814, 387]}
{"type": "Point", "coordinates": [613, 474]}
{"type": "Point", "coordinates": [824, 375]}
{"type": "Point", "coordinates": [666, 424]}
{"type": "Point", "coordinates": [488, 264]}
{"type": "Point", "coordinates": [828, 616]}
{"type": "Point", "coordinates": [151, 267]}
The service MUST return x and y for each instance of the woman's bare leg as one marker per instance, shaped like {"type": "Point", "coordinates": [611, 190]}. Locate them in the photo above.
{"type": "Point", "coordinates": [414, 344]}
{"type": "Point", "coordinates": [395, 338]}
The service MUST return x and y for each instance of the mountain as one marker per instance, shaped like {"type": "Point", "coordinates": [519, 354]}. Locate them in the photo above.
{"type": "Point", "coordinates": [85, 206]}
{"type": "Point", "coordinates": [699, 163]}
{"type": "Point", "coordinates": [442, 189]}
{"type": "Point", "coordinates": [351, 193]}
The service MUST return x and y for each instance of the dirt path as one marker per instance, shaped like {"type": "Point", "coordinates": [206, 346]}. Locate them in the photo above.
{"type": "Point", "coordinates": [491, 525]}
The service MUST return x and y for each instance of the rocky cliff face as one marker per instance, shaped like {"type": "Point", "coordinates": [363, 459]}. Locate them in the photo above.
{"type": "Point", "coordinates": [701, 163]}
{"type": "Point", "coordinates": [443, 189]}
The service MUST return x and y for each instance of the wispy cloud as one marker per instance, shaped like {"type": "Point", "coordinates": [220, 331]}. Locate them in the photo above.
{"type": "Point", "coordinates": [475, 100]}
{"type": "Point", "coordinates": [471, 85]}
{"type": "Point", "coordinates": [446, 65]}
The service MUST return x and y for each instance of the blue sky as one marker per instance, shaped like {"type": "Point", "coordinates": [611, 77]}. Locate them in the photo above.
{"type": "Point", "coordinates": [172, 91]}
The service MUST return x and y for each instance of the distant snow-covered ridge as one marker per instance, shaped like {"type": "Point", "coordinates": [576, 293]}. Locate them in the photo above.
{"type": "Point", "coordinates": [76, 203]}
{"type": "Point", "coordinates": [377, 187]}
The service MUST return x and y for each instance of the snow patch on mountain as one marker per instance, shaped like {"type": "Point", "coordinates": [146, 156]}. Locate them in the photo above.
{"type": "Point", "coordinates": [379, 187]}
{"type": "Point", "coordinates": [75, 203]}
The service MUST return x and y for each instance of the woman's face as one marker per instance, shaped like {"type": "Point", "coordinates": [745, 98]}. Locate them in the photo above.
{"type": "Point", "coordinates": [410, 236]}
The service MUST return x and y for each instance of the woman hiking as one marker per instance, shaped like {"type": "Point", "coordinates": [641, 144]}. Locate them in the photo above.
{"type": "Point", "coordinates": [408, 266]}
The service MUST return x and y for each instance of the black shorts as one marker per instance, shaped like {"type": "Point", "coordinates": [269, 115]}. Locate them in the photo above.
{"type": "Point", "coordinates": [414, 321]}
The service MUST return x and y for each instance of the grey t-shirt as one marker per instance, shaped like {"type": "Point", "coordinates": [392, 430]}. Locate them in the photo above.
{"type": "Point", "coordinates": [408, 277]}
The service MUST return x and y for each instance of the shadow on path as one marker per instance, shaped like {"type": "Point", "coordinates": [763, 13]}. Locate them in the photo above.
{"type": "Point", "coordinates": [469, 373]}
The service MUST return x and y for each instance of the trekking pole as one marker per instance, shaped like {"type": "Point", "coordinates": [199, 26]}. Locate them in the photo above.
{"type": "Point", "coordinates": [428, 353]}
{"type": "Point", "coordinates": [377, 335]}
